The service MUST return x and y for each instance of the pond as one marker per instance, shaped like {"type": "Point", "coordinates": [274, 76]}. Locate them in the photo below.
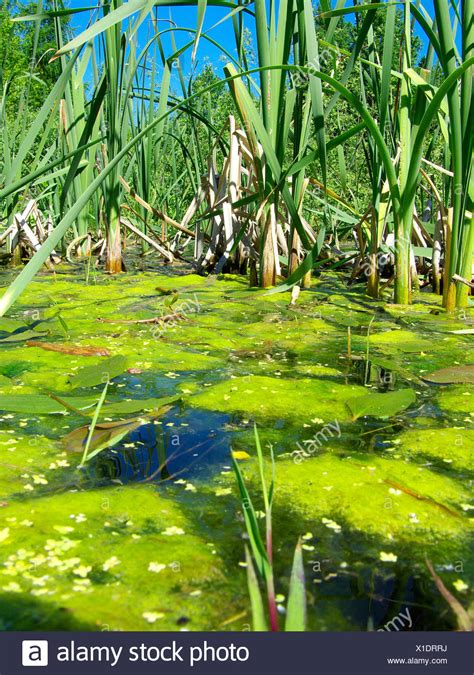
{"type": "Point", "coordinates": [373, 463]}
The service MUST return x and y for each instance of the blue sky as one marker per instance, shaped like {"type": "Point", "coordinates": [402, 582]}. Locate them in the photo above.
{"type": "Point", "coordinates": [186, 17]}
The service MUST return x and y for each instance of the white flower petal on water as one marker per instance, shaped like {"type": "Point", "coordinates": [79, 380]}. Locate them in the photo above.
{"type": "Point", "coordinates": [110, 562]}
{"type": "Point", "coordinates": [82, 570]}
{"type": "Point", "coordinates": [460, 585]}
{"type": "Point", "coordinates": [170, 531]}
{"type": "Point", "coordinates": [151, 617]}
{"type": "Point", "coordinates": [388, 557]}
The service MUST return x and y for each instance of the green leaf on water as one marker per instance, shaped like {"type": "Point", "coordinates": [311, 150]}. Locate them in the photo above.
{"type": "Point", "coordinates": [39, 404]}
{"type": "Point", "coordinates": [381, 404]}
{"type": "Point", "coordinates": [63, 324]}
{"type": "Point", "coordinates": [8, 325]}
{"type": "Point", "coordinates": [403, 341]}
{"type": "Point", "coordinates": [454, 375]}
{"type": "Point", "coordinates": [20, 336]}
{"type": "Point", "coordinates": [14, 369]}
{"type": "Point", "coordinates": [107, 369]}
{"type": "Point", "coordinates": [104, 435]}
{"type": "Point", "coordinates": [137, 405]}
{"type": "Point", "coordinates": [170, 301]}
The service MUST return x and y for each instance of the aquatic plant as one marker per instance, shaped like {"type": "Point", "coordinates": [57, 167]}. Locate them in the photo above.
{"type": "Point", "coordinates": [86, 456]}
{"type": "Point", "coordinates": [98, 175]}
{"type": "Point", "coordinates": [262, 555]}
{"type": "Point", "coordinates": [370, 503]}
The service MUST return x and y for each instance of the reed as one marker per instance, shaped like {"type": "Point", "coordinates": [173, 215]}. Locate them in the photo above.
{"type": "Point", "coordinates": [112, 141]}
{"type": "Point", "coordinates": [261, 556]}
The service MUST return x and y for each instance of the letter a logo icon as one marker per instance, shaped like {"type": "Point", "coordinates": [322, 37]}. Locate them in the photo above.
{"type": "Point", "coordinates": [34, 653]}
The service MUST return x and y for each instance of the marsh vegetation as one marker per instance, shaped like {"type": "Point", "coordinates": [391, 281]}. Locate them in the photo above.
{"type": "Point", "coordinates": [236, 379]}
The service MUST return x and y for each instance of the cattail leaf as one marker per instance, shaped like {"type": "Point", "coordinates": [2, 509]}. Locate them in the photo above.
{"type": "Point", "coordinates": [296, 606]}
{"type": "Point", "coordinates": [259, 621]}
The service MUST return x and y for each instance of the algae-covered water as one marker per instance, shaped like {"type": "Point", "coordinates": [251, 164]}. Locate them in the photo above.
{"type": "Point", "coordinates": [373, 464]}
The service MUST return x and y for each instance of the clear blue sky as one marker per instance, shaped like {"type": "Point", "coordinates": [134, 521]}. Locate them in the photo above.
{"type": "Point", "coordinates": [186, 17]}
{"type": "Point", "coordinates": [183, 17]}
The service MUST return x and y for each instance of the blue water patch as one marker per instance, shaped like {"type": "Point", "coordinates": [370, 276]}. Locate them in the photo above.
{"type": "Point", "coordinates": [184, 444]}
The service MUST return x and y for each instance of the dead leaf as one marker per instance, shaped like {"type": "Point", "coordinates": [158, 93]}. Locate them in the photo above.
{"type": "Point", "coordinates": [107, 434]}
{"type": "Point", "coordinates": [104, 436]}
{"type": "Point", "coordinates": [69, 349]}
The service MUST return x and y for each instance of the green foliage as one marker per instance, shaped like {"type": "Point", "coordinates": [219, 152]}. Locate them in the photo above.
{"type": "Point", "coordinates": [262, 554]}
{"type": "Point", "coordinates": [25, 50]}
{"type": "Point", "coordinates": [345, 109]}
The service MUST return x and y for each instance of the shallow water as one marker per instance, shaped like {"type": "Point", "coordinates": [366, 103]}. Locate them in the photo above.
{"type": "Point", "coordinates": [150, 533]}
{"type": "Point", "coordinates": [188, 444]}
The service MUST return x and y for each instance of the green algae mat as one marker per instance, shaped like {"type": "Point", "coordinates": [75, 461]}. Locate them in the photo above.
{"type": "Point", "coordinates": [368, 409]}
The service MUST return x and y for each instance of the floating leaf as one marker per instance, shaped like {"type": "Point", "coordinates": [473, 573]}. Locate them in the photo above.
{"type": "Point", "coordinates": [14, 369]}
{"type": "Point", "coordinates": [223, 492]}
{"type": "Point", "coordinates": [104, 435]}
{"type": "Point", "coordinates": [381, 405]}
{"type": "Point", "coordinates": [39, 404]}
{"type": "Point", "coordinates": [69, 349]}
{"type": "Point", "coordinates": [404, 341]}
{"type": "Point", "coordinates": [90, 376]}
{"type": "Point", "coordinates": [392, 366]}
{"type": "Point", "coordinates": [110, 562]}
{"type": "Point", "coordinates": [173, 530]}
{"type": "Point", "coordinates": [151, 617]}
{"type": "Point", "coordinates": [20, 336]}
{"type": "Point", "coordinates": [453, 375]}
{"type": "Point", "coordinates": [137, 405]}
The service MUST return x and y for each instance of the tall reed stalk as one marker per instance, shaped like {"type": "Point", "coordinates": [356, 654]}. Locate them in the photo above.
{"type": "Point", "coordinates": [116, 134]}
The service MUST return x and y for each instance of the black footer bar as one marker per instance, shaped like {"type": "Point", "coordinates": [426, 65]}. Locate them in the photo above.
{"type": "Point", "coordinates": [375, 653]}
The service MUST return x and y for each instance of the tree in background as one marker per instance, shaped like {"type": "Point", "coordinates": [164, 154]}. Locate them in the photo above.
{"type": "Point", "coordinates": [25, 50]}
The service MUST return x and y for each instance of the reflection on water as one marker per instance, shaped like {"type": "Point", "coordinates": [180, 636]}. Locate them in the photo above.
{"type": "Point", "coordinates": [184, 444]}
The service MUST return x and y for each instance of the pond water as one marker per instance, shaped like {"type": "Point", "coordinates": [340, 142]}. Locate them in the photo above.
{"type": "Point", "coordinates": [373, 464]}
{"type": "Point", "coordinates": [188, 444]}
